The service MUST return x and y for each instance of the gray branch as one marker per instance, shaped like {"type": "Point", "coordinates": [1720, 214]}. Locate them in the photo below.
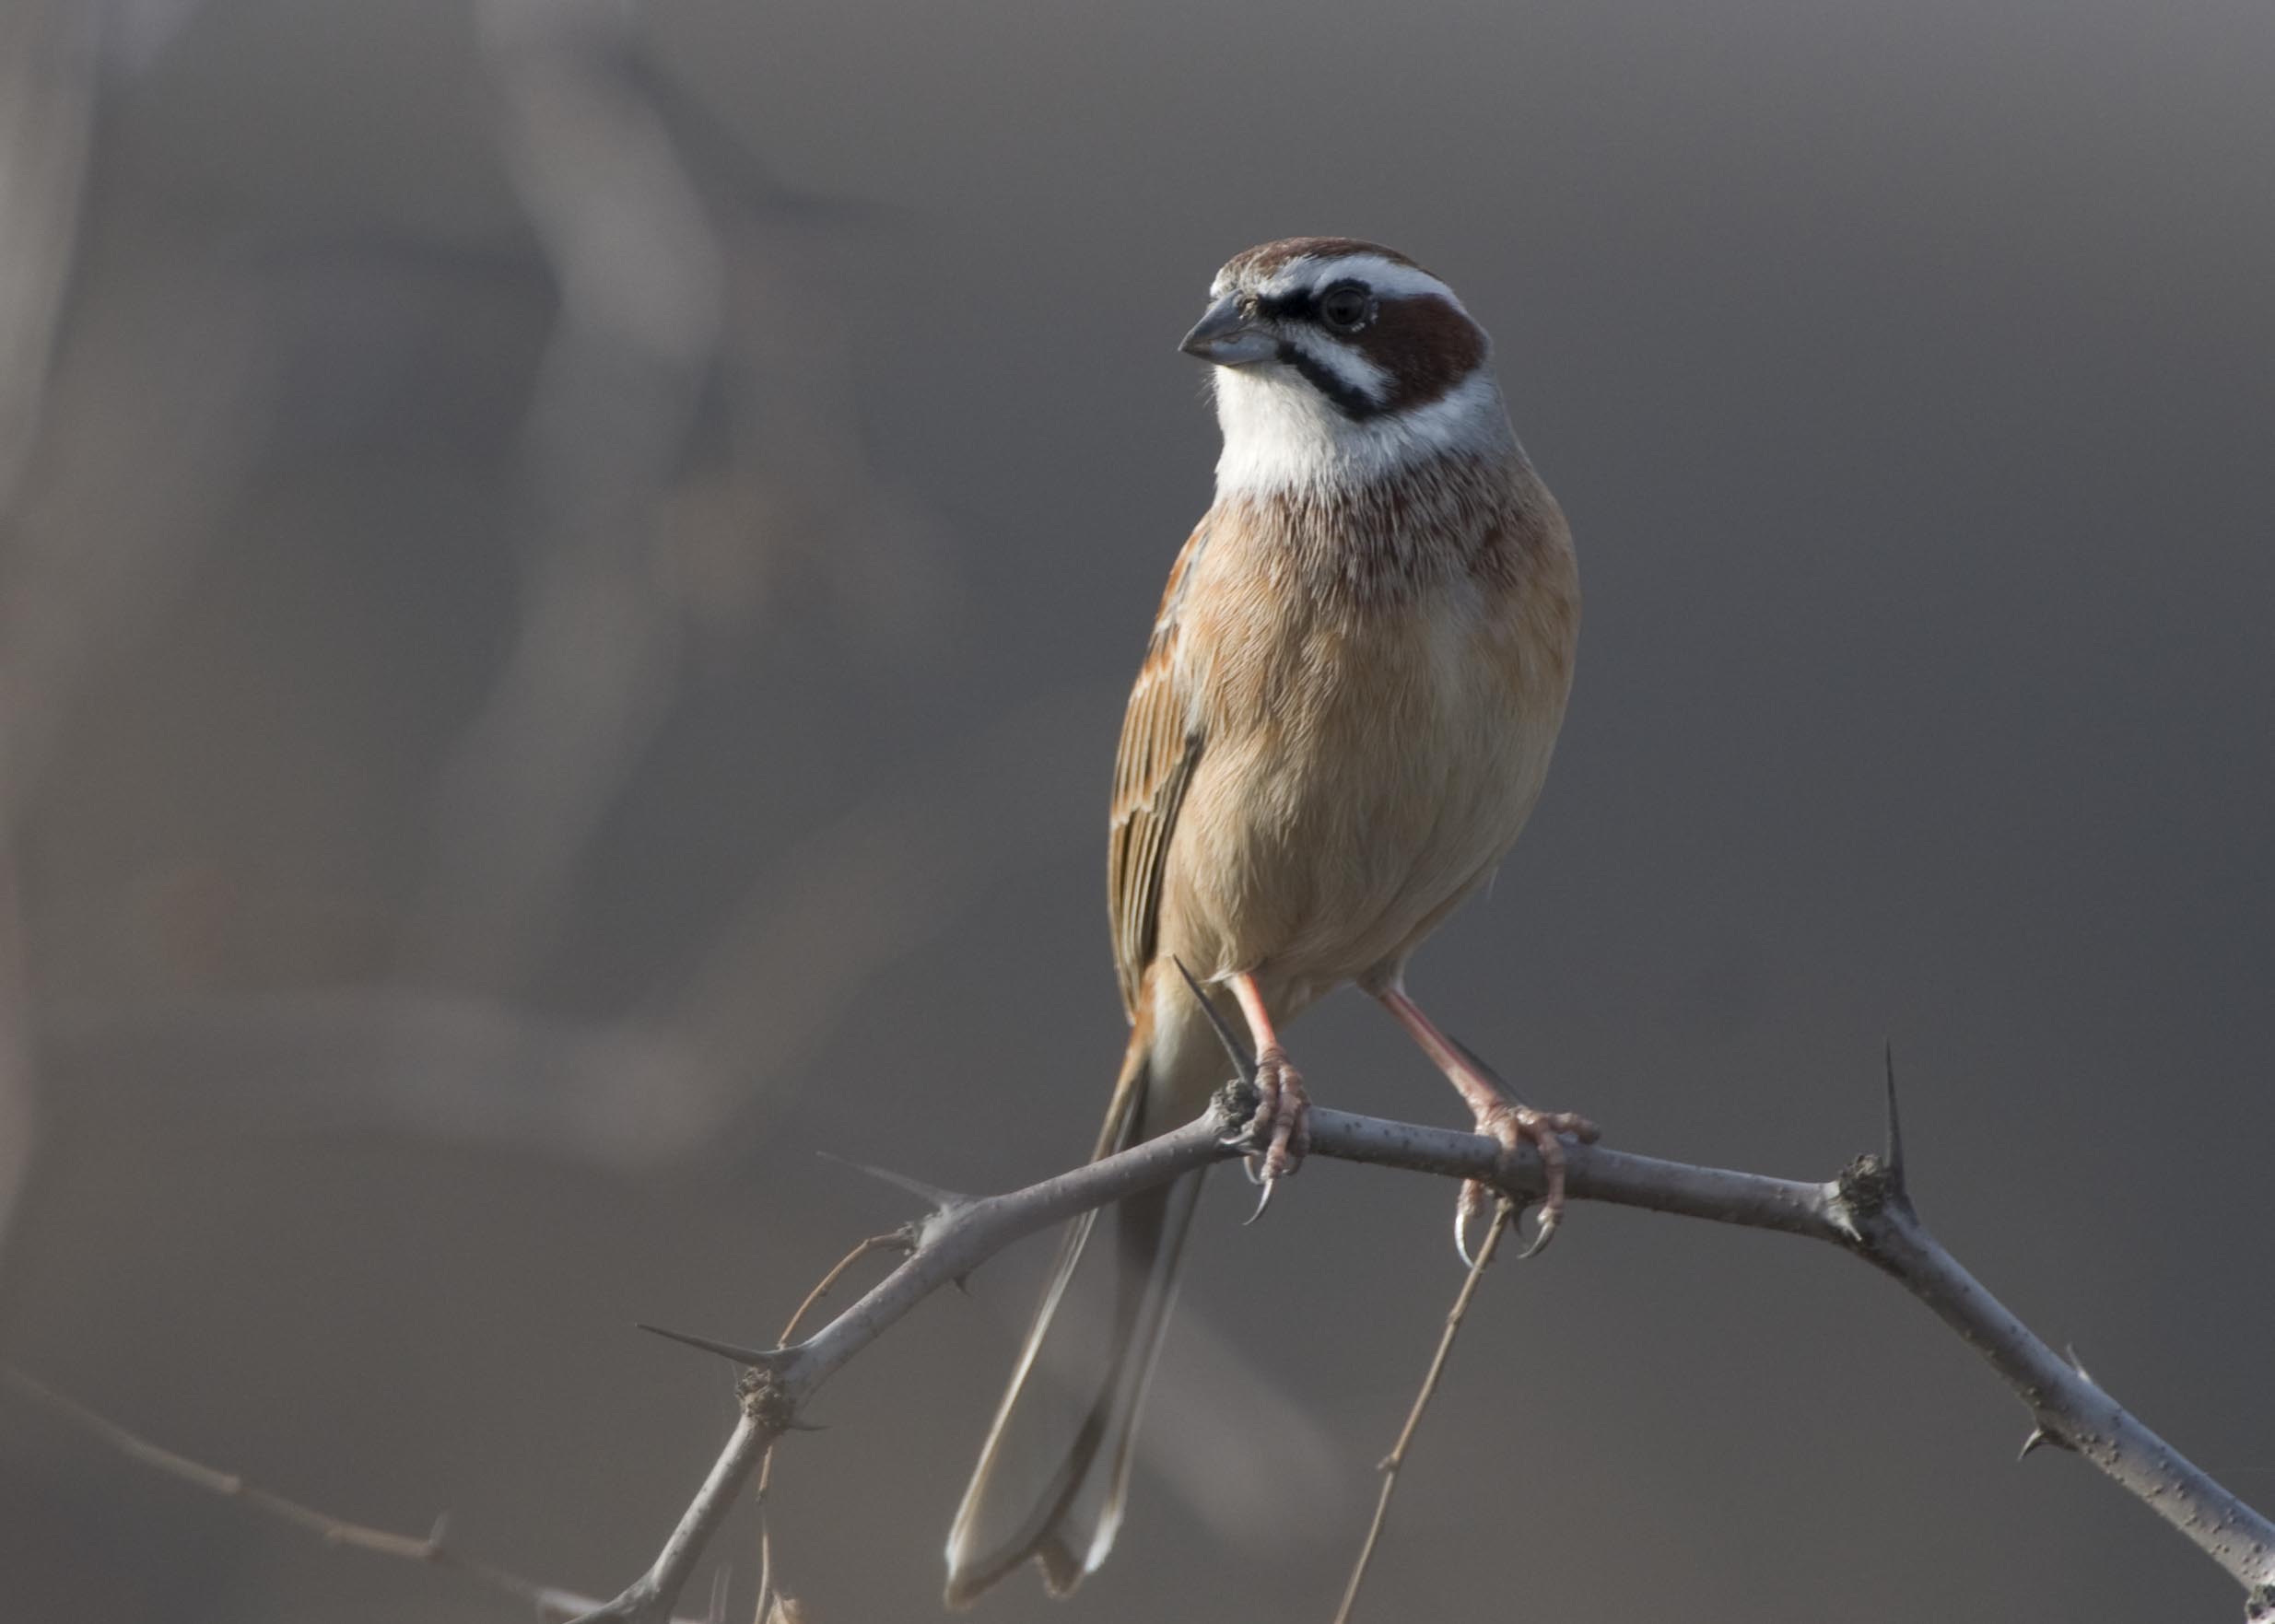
{"type": "Point", "coordinates": [1865, 1211]}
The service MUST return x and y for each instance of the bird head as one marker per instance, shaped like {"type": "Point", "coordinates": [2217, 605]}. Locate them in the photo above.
{"type": "Point", "coordinates": [1339, 360]}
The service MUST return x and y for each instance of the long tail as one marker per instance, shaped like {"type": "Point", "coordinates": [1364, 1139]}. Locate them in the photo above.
{"type": "Point", "coordinates": [1056, 1465]}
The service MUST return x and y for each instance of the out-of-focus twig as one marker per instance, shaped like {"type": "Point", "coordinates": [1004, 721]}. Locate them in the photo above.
{"type": "Point", "coordinates": [893, 872]}
{"type": "Point", "coordinates": [640, 276]}
{"type": "Point", "coordinates": [464, 1069]}
{"type": "Point", "coordinates": [19, 1116]}
{"type": "Point", "coordinates": [48, 60]}
{"type": "Point", "coordinates": [690, 449]}
{"type": "Point", "coordinates": [432, 1548]}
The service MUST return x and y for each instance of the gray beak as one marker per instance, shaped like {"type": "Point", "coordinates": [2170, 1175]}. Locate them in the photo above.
{"type": "Point", "coordinates": [1229, 338]}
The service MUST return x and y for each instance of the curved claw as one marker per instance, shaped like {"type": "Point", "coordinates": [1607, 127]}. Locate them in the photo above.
{"type": "Point", "coordinates": [1515, 1125]}
{"type": "Point", "coordinates": [1465, 1212]}
{"type": "Point", "coordinates": [1541, 1236]}
{"type": "Point", "coordinates": [1280, 1130]}
{"type": "Point", "coordinates": [1262, 1202]}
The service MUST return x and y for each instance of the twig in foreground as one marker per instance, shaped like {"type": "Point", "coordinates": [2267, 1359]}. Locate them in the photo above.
{"type": "Point", "coordinates": [1396, 1459]}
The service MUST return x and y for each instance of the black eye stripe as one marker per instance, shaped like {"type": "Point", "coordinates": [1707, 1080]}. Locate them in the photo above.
{"type": "Point", "coordinates": [1302, 304]}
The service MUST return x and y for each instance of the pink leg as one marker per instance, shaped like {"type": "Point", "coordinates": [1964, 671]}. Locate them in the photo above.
{"type": "Point", "coordinates": [1281, 1123]}
{"type": "Point", "coordinates": [1498, 1114]}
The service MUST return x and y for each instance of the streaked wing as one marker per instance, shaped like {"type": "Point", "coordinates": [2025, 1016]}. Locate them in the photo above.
{"type": "Point", "coordinates": [1160, 746]}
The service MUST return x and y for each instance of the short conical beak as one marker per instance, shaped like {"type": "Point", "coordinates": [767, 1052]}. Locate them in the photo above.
{"type": "Point", "coordinates": [1228, 337]}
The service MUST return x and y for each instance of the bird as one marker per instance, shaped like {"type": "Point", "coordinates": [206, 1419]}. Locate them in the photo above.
{"type": "Point", "coordinates": [1345, 716]}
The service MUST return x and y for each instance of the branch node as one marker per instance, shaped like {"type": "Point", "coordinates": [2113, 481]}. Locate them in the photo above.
{"type": "Point", "coordinates": [767, 1402]}
{"type": "Point", "coordinates": [1234, 1106]}
{"type": "Point", "coordinates": [756, 1357]}
{"type": "Point", "coordinates": [1866, 1188]}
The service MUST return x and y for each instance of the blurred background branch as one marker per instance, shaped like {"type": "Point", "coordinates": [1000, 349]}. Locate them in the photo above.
{"type": "Point", "coordinates": [432, 1548]}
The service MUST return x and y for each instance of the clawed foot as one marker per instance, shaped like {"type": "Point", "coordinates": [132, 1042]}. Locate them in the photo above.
{"type": "Point", "coordinates": [1281, 1130]}
{"type": "Point", "coordinates": [1516, 1125]}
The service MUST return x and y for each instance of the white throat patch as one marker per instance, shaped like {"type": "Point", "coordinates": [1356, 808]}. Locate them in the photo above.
{"type": "Point", "coordinates": [1282, 434]}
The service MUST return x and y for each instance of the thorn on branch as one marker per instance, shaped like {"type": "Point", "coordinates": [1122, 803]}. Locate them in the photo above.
{"type": "Point", "coordinates": [1894, 1157]}
{"type": "Point", "coordinates": [1243, 1062]}
{"type": "Point", "coordinates": [760, 1358]}
{"type": "Point", "coordinates": [2041, 1439]}
{"type": "Point", "coordinates": [932, 1196]}
{"type": "Point", "coordinates": [1874, 1184]}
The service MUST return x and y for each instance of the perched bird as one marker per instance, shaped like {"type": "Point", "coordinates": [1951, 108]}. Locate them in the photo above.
{"type": "Point", "coordinates": [1344, 717]}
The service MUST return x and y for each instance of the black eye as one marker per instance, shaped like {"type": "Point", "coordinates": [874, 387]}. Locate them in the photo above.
{"type": "Point", "coordinates": [1345, 307]}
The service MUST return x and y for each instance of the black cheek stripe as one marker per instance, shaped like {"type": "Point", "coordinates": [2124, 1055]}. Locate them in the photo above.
{"type": "Point", "coordinates": [1354, 403]}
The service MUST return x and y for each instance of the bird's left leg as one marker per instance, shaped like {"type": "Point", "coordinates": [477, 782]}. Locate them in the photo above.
{"type": "Point", "coordinates": [1497, 1114]}
{"type": "Point", "coordinates": [1282, 1125]}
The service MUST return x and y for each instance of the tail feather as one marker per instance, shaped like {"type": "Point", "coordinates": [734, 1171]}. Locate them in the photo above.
{"type": "Point", "coordinates": [1053, 1472]}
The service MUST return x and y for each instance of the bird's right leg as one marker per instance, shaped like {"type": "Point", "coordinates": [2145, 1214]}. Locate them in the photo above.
{"type": "Point", "coordinates": [1282, 1125]}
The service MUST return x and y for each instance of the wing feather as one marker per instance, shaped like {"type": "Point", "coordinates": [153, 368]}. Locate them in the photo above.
{"type": "Point", "coordinates": [1160, 747]}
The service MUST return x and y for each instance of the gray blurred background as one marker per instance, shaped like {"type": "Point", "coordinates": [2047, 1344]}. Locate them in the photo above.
{"type": "Point", "coordinates": [568, 578]}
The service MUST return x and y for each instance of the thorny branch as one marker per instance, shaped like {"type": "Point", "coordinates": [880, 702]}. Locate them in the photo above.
{"type": "Point", "coordinates": [1865, 1210]}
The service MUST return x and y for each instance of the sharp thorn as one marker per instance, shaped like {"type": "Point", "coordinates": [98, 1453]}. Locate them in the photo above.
{"type": "Point", "coordinates": [2039, 1438]}
{"type": "Point", "coordinates": [1484, 1069]}
{"type": "Point", "coordinates": [939, 1200]}
{"type": "Point", "coordinates": [1243, 1062]}
{"type": "Point", "coordinates": [439, 1532]}
{"type": "Point", "coordinates": [2069, 1352]}
{"type": "Point", "coordinates": [1896, 1122]}
{"type": "Point", "coordinates": [757, 1358]}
